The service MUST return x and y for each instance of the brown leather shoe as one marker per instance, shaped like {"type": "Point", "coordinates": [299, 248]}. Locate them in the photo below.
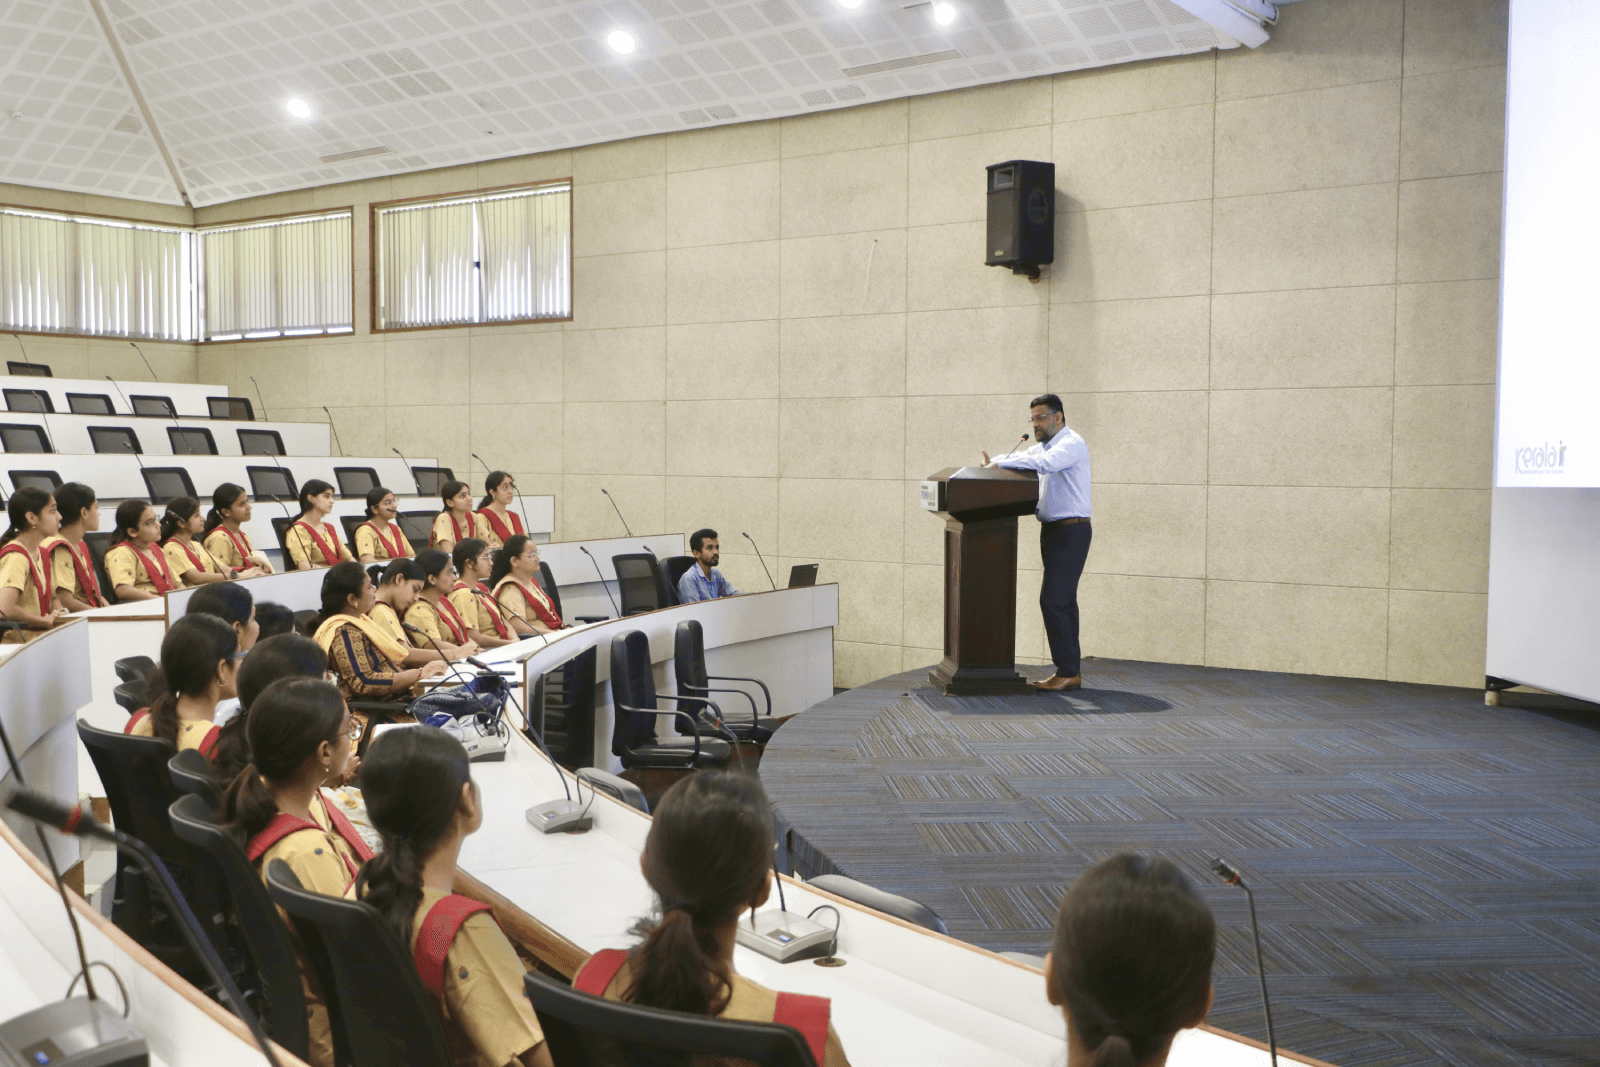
{"type": "Point", "coordinates": [1056, 684]}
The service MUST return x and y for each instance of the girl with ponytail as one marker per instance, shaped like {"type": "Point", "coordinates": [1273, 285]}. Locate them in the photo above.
{"type": "Point", "coordinates": [422, 800]}
{"type": "Point", "coordinates": [708, 858]}
{"type": "Point", "coordinates": [1130, 964]}
{"type": "Point", "coordinates": [515, 581]}
{"type": "Point", "coordinates": [456, 521]}
{"type": "Point", "coordinates": [367, 660]}
{"type": "Point", "coordinates": [27, 594]}
{"type": "Point", "coordinates": [135, 563]}
{"type": "Point", "coordinates": [186, 556]}
{"type": "Point", "coordinates": [500, 522]}
{"type": "Point", "coordinates": [299, 733]}
{"type": "Point", "coordinates": [224, 536]}
{"type": "Point", "coordinates": [196, 673]}
{"type": "Point", "coordinates": [380, 537]}
{"type": "Point", "coordinates": [71, 564]}
{"type": "Point", "coordinates": [474, 563]}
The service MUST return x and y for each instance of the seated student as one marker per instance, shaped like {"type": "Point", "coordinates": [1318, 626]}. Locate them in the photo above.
{"type": "Point", "coordinates": [274, 619]}
{"type": "Point", "coordinates": [703, 581]}
{"type": "Point", "coordinates": [26, 593]}
{"type": "Point", "coordinates": [187, 557]}
{"type": "Point", "coordinates": [485, 618]}
{"type": "Point", "coordinates": [299, 734]}
{"type": "Point", "coordinates": [515, 581]}
{"type": "Point", "coordinates": [431, 611]}
{"type": "Point", "coordinates": [367, 661]}
{"type": "Point", "coordinates": [232, 604]}
{"type": "Point", "coordinates": [379, 538]}
{"type": "Point", "coordinates": [312, 540]}
{"type": "Point", "coordinates": [421, 798]}
{"type": "Point", "coordinates": [135, 563]}
{"type": "Point", "coordinates": [197, 671]}
{"type": "Point", "coordinates": [1130, 964]}
{"type": "Point", "coordinates": [272, 659]}
{"type": "Point", "coordinates": [402, 581]}
{"type": "Point", "coordinates": [224, 535]}
{"type": "Point", "coordinates": [501, 523]}
{"type": "Point", "coordinates": [709, 859]}
{"type": "Point", "coordinates": [71, 564]}
{"type": "Point", "coordinates": [457, 521]}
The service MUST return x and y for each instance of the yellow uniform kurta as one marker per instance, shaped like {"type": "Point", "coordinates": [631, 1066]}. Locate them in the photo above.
{"type": "Point", "coordinates": [302, 546]}
{"type": "Point", "coordinates": [389, 622]}
{"type": "Point", "coordinates": [368, 543]}
{"type": "Point", "coordinates": [191, 732]}
{"type": "Point", "coordinates": [478, 610]}
{"type": "Point", "coordinates": [226, 552]}
{"type": "Point", "coordinates": [16, 573]}
{"type": "Point", "coordinates": [487, 1016]}
{"type": "Point", "coordinates": [124, 566]}
{"type": "Point", "coordinates": [437, 622]}
{"type": "Point", "coordinates": [510, 522]}
{"type": "Point", "coordinates": [180, 562]}
{"type": "Point", "coordinates": [448, 526]}
{"type": "Point", "coordinates": [64, 573]}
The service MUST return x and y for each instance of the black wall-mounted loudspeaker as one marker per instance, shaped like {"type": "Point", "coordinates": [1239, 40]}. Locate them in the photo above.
{"type": "Point", "coordinates": [1022, 216]}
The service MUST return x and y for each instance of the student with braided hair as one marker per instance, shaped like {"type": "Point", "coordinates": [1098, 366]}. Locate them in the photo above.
{"type": "Point", "coordinates": [1130, 964]}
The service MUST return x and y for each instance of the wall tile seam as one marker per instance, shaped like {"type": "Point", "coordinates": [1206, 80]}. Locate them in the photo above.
{"type": "Point", "coordinates": [1400, 77]}
{"type": "Point", "coordinates": [1054, 301]}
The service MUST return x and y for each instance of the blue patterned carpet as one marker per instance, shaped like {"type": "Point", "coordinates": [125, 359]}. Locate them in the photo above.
{"type": "Point", "coordinates": [1426, 868]}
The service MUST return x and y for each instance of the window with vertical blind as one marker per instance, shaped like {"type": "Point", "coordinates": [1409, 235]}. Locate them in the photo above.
{"type": "Point", "coordinates": [287, 277]}
{"type": "Point", "coordinates": [496, 257]}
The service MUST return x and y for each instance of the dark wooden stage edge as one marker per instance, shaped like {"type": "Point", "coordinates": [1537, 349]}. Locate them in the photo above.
{"type": "Point", "coordinates": [1426, 868]}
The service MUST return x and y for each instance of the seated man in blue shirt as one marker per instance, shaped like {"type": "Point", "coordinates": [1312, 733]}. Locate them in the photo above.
{"type": "Point", "coordinates": [703, 581]}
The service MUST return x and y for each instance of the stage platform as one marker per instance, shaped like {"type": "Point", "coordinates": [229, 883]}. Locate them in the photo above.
{"type": "Point", "coordinates": [1426, 868]}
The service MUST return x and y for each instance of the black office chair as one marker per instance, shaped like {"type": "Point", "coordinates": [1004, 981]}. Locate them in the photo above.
{"type": "Point", "coordinates": [380, 1013]}
{"type": "Point", "coordinates": [115, 441]}
{"type": "Point", "coordinates": [615, 787]}
{"type": "Point", "coordinates": [134, 668]}
{"type": "Point", "coordinates": [266, 939]}
{"type": "Point", "coordinates": [583, 1029]}
{"type": "Point", "coordinates": [640, 583]}
{"type": "Point", "coordinates": [431, 479]}
{"type": "Point", "coordinates": [33, 400]}
{"type": "Point", "coordinates": [90, 404]}
{"type": "Point", "coordinates": [236, 408]}
{"type": "Point", "coordinates": [49, 481]}
{"type": "Point", "coordinates": [903, 908]}
{"type": "Point", "coordinates": [350, 524]}
{"type": "Point", "coordinates": [273, 483]}
{"type": "Point", "coordinates": [280, 528]}
{"type": "Point", "coordinates": [192, 774]}
{"type": "Point", "coordinates": [689, 666]}
{"type": "Point", "coordinates": [191, 441]}
{"type": "Point", "coordinates": [633, 733]}
{"type": "Point", "coordinates": [166, 484]}
{"type": "Point", "coordinates": [23, 369]}
{"type": "Point", "coordinates": [130, 696]}
{"type": "Point", "coordinates": [676, 567]}
{"type": "Point", "coordinates": [356, 481]}
{"type": "Point", "coordinates": [99, 544]}
{"type": "Point", "coordinates": [155, 407]}
{"type": "Point", "coordinates": [261, 443]}
{"type": "Point", "coordinates": [24, 437]}
{"type": "Point", "coordinates": [305, 622]}
{"type": "Point", "coordinates": [547, 582]}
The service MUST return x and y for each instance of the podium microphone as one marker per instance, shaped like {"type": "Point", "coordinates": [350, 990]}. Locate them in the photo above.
{"type": "Point", "coordinates": [757, 547]}
{"type": "Point", "coordinates": [1018, 445]}
{"type": "Point", "coordinates": [619, 514]}
{"type": "Point", "coordinates": [1226, 871]}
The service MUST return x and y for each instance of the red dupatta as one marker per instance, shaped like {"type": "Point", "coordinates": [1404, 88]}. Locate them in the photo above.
{"type": "Point", "coordinates": [391, 547]}
{"type": "Point", "coordinates": [83, 566]}
{"type": "Point", "coordinates": [40, 588]}
{"type": "Point", "coordinates": [330, 555]}
{"type": "Point", "coordinates": [499, 527]}
{"type": "Point", "coordinates": [159, 576]}
{"type": "Point", "coordinates": [455, 528]}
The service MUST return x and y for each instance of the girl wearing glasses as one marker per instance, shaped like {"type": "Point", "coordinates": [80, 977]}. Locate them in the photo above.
{"type": "Point", "coordinates": [472, 599]}
{"type": "Point", "coordinates": [516, 586]}
{"type": "Point", "coordinates": [135, 564]}
{"type": "Point", "coordinates": [197, 672]}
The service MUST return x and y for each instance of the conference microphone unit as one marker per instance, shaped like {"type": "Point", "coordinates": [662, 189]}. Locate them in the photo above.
{"type": "Point", "coordinates": [602, 576]}
{"type": "Point", "coordinates": [1226, 871]}
{"type": "Point", "coordinates": [783, 935]}
{"type": "Point", "coordinates": [1016, 446]}
{"type": "Point", "coordinates": [619, 513]}
{"type": "Point", "coordinates": [759, 556]}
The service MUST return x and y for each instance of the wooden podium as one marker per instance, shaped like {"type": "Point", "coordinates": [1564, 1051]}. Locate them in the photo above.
{"type": "Point", "coordinates": [980, 507]}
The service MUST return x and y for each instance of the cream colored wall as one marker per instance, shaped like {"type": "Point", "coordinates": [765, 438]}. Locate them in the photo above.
{"type": "Point", "coordinates": [1272, 316]}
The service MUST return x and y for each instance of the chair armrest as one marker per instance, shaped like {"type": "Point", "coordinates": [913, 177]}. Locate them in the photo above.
{"type": "Point", "coordinates": [765, 692]}
{"type": "Point", "coordinates": [754, 711]}
{"type": "Point", "coordinates": [591, 618]}
{"type": "Point", "coordinates": [685, 716]}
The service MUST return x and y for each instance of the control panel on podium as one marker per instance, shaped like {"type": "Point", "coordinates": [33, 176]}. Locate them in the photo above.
{"type": "Point", "coordinates": [980, 506]}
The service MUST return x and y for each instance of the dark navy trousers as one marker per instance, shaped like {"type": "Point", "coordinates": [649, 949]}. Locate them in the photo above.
{"type": "Point", "coordinates": [1064, 550]}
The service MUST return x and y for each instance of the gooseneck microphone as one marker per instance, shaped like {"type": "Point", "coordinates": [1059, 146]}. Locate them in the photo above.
{"type": "Point", "coordinates": [757, 547]}
{"type": "Point", "coordinates": [131, 451]}
{"type": "Point", "coordinates": [1226, 871]}
{"type": "Point", "coordinates": [601, 575]}
{"type": "Point", "coordinates": [259, 398]}
{"type": "Point", "coordinates": [149, 368]}
{"type": "Point", "coordinates": [411, 628]}
{"type": "Point", "coordinates": [619, 514]}
{"type": "Point", "coordinates": [51, 812]}
{"type": "Point", "coordinates": [334, 428]}
{"type": "Point", "coordinates": [409, 468]}
{"type": "Point", "coordinates": [1018, 445]}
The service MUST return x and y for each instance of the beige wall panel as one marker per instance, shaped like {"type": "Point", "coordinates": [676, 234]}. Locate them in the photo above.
{"type": "Point", "coordinates": [1031, 642]}
{"type": "Point", "coordinates": [214, 364]}
{"type": "Point", "coordinates": [1304, 629]}
{"type": "Point", "coordinates": [722, 360]}
{"type": "Point", "coordinates": [352, 374]}
{"type": "Point", "coordinates": [1446, 333]}
{"type": "Point", "coordinates": [855, 664]}
{"type": "Point", "coordinates": [936, 193]}
{"type": "Point", "coordinates": [1450, 228]}
{"type": "Point", "coordinates": [1156, 438]}
{"type": "Point", "coordinates": [844, 192]}
{"type": "Point", "coordinates": [1131, 88]}
{"type": "Point", "coordinates": [1305, 240]}
{"type": "Point", "coordinates": [981, 109]}
{"type": "Point", "coordinates": [723, 206]}
{"type": "Point", "coordinates": [722, 146]}
{"type": "Point", "coordinates": [1338, 43]}
{"type": "Point", "coordinates": [1127, 253]}
{"type": "Point", "coordinates": [173, 362]}
{"type": "Point", "coordinates": [947, 271]}
{"type": "Point", "coordinates": [1301, 437]}
{"type": "Point", "coordinates": [1124, 617]}
{"type": "Point", "coordinates": [516, 437]}
{"type": "Point", "coordinates": [440, 182]}
{"type": "Point", "coordinates": [723, 283]}
{"type": "Point", "coordinates": [1299, 535]}
{"type": "Point", "coordinates": [1115, 345]}
{"type": "Point", "coordinates": [1437, 638]}
{"type": "Point", "coordinates": [282, 370]}
{"type": "Point", "coordinates": [614, 437]}
{"type": "Point", "coordinates": [1317, 139]}
{"type": "Point", "coordinates": [842, 438]}
{"type": "Point", "coordinates": [984, 350]}
{"type": "Point", "coordinates": [633, 158]}
{"type": "Point", "coordinates": [1455, 34]}
{"type": "Point", "coordinates": [1439, 540]}
{"type": "Point", "coordinates": [1157, 157]}
{"type": "Point", "coordinates": [924, 606]}
{"type": "Point", "coordinates": [586, 513]}
{"type": "Point", "coordinates": [428, 430]}
{"type": "Point", "coordinates": [868, 126]}
{"type": "Point", "coordinates": [1149, 529]}
{"type": "Point", "coordinates": [846, 274]}
{"type": "Point", "coordinates": [365, 432]}
{"type": "Point", "coordinates": [834, 518]}
{"type": "Point", "coordinates": [518, 366]}
{"type": "Point", "coordinates": [1444, 436]}
{"type": "Point", "coordinates": [603, 365]}
{"type": "Point", "coordinates": [612, 291]}
{"type": "Point", "coordinates": [1303, 338]}
{"type": "Point", "coordinates": [846, 355]}
{"type": "Point", "coordinates": [952, 431]}
{"type": "Point", "coordinates": [521, 170]}
{"type": "Point", "coordinates": [722, 438]}
{"type": "Point", "coordinates": [68, 357]}
{"type": "Point", "coordinates": [1454, 123]}
{"type": "Point", "coordinates": [609, 218]}
{"type": "Point", "coordinates": [731, 506]}
{"type": "Point", "coordinates": [871, 600]}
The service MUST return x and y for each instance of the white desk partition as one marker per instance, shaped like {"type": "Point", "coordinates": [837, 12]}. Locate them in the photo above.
{"type": "Point", "coordinates": [116, 477]}
{"type": "Point", "coordinates": [187, 399]}
{"type": "Point", "coordinates": [42, 687]}
{"type": "Point", "coordinates": [295, 590]}
{"type": "Point", "coordinates": [69, 434]}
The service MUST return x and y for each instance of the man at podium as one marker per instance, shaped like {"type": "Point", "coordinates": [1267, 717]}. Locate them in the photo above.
{"type": "Point", "coordinates": [1062, 459]}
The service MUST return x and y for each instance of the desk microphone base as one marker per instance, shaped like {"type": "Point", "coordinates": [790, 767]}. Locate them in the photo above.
{"type": "Point", "coordinates": [559, 816]}
{"type": "Point", "coordinates": [72, 1033]}
{"type": "Point", "coordinates": [784, 936]}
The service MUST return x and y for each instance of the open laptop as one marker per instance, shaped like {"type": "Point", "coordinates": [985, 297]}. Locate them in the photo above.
{"type": "Point", "coordinates": [802, 574]}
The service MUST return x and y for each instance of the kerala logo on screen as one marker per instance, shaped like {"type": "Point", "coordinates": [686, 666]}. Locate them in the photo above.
{"type": "Point", "coordinates": [1542, 459]}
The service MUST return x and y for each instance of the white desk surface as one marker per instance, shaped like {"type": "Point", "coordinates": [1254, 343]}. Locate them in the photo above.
{"type": "Point", "coordinates": [188, 400]}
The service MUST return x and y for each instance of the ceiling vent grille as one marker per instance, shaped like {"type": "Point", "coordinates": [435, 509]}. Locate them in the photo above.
{"type": "Point", "coordinates": [900, 64]}
{"type": "Point", "coordinates": [360, 153]}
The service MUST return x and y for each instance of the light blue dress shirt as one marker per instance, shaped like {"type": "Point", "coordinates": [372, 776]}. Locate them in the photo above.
{"type": "Point", "coordinates": [695, 586]}
{"type": "Point", "coordinates": [1063, 466]}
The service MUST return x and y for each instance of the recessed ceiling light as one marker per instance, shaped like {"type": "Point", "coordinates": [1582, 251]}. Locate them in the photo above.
{"type": "Point", "coordinates": [849, 5]}
{"type": "Point", "coordinates": [299, 108]}
{"type": "Point", "coordinates": [944, 14]}
{"type": "Point", "coordinates": [620, 41]}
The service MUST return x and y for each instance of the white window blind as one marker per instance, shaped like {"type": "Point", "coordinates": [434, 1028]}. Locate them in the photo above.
{"type": "Point", "coordinates": [497, 257]}
{"type": "Point", "coordinates": [281, 277]}
{"type": "Point", "coordinates": [97, 277]}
